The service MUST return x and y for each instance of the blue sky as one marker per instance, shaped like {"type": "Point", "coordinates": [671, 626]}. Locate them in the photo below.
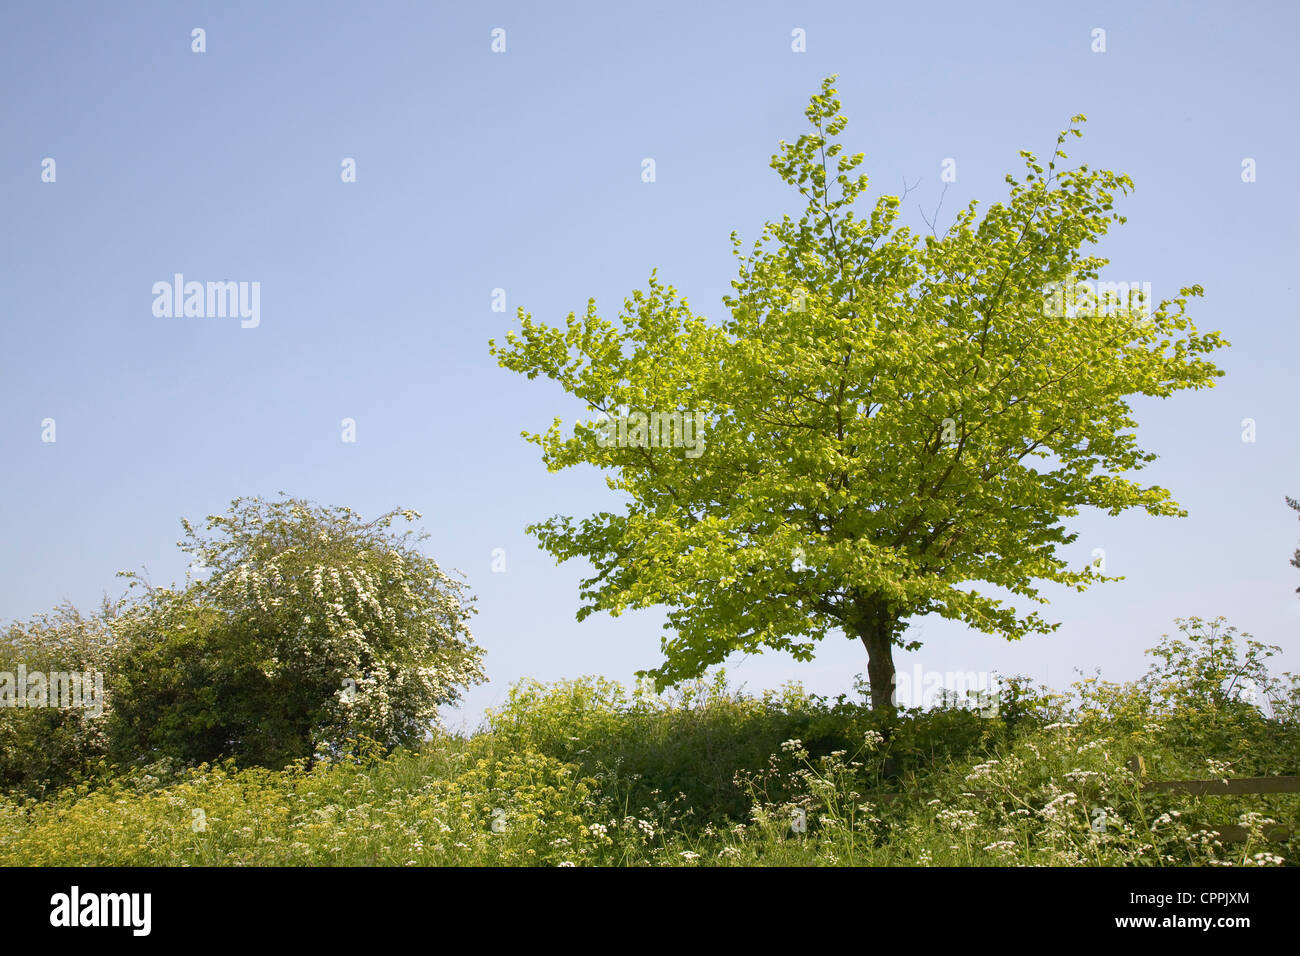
{"type": "Point", "coordinates": [521, 170]}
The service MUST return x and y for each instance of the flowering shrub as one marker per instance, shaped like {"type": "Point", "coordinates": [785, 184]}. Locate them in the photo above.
{"type": "Point", "coordinates": [314, 628]}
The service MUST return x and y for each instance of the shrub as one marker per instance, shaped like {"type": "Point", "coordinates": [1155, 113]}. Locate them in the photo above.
{"type": "Point", "coordinates": [47, 747]}
{"type": "Point", "coordinates": [313, 629]}
{"type": "Point", "coordinates": [687, 747]}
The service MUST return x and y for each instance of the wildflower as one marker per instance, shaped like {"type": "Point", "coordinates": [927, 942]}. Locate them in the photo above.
{"type": "Point", "coordinates": [1056, 805]}
{"type": "Point", "coordinates": [960, 820]}
{"type": "Point", "coordinates": [1218, 768]}
{"type": "Point", "coordinates": [1252, 818]}
{"type": "Point", "coordinates": [982, 770]}
{"type": "Point", "coordinates": [799, 820]}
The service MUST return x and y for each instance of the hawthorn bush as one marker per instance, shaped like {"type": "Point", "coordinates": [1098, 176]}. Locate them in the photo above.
{"type": "Point", "coordinates": [313, 630]}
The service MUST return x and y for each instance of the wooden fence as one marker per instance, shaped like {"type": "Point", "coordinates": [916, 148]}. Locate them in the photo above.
{"type": "Point", "coordinates": [1215, 788]}
{"type": "Point", "coordinates": [1200, 788]}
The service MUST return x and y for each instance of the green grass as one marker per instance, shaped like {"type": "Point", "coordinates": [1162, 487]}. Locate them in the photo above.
{"type": "Point", "coordinates": [586, 773]}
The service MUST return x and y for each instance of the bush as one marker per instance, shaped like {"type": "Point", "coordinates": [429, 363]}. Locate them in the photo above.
{"type": "Point", "coordinates": [47, 747]}
{"type": "Point", "coordinates": [314, 629]}
{"type": "Point", "coordinates": [689, 748]}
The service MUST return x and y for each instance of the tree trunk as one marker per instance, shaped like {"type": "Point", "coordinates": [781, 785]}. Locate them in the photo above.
{"type": "Point", "coordinates": [876, 626]}
{"type": "Point", "coordinates": [880, 669]}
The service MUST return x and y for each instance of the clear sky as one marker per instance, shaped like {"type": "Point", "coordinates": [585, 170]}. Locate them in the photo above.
{"type": "Point", "coordinates": [521, 170]}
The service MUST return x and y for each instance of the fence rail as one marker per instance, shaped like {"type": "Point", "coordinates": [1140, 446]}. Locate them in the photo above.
{"type": "Point", "coordinates": [1225, 787]}
{"type": "Point", "coordinates": [1199, 788]}
{"type": "Point", "coordinates": [1233, 785]}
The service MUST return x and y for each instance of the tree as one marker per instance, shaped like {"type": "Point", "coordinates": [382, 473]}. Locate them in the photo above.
{"type": "Point", "coordinates": [313, 629]}
{"type": "Point", "coordinates": [887, 418]}
{"type": "Point", "coordinates": [1295, 559]}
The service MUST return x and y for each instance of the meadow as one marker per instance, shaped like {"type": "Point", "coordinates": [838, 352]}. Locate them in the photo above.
{"type": "Point", "coordinates": [587, 772]}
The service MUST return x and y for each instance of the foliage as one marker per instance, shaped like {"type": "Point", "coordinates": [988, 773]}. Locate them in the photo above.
{"type": "Point", "coordinates": [45, 748]}
{"type": "Point", "coordinates": [312, 629]}
{"type": "Point", "coordinates": [687, 747]}
{"type": "Point", "coordinates": [586, 773]}
{"type": "Point", "coordinates": [889, 417]}
{"type": "Point", "coordinates": [437, 806]}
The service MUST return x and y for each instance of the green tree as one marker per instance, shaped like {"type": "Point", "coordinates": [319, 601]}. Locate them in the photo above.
{"type": "Point", "coordinates": [1295, 558]}
{"type": "Point", "coordinates": [888, 418]}
{"type": "Point", "coordinates": [313, 629]}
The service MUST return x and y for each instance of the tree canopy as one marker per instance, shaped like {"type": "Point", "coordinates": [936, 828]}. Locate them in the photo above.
{"type": "Point", "coordinates": [894, 423]}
